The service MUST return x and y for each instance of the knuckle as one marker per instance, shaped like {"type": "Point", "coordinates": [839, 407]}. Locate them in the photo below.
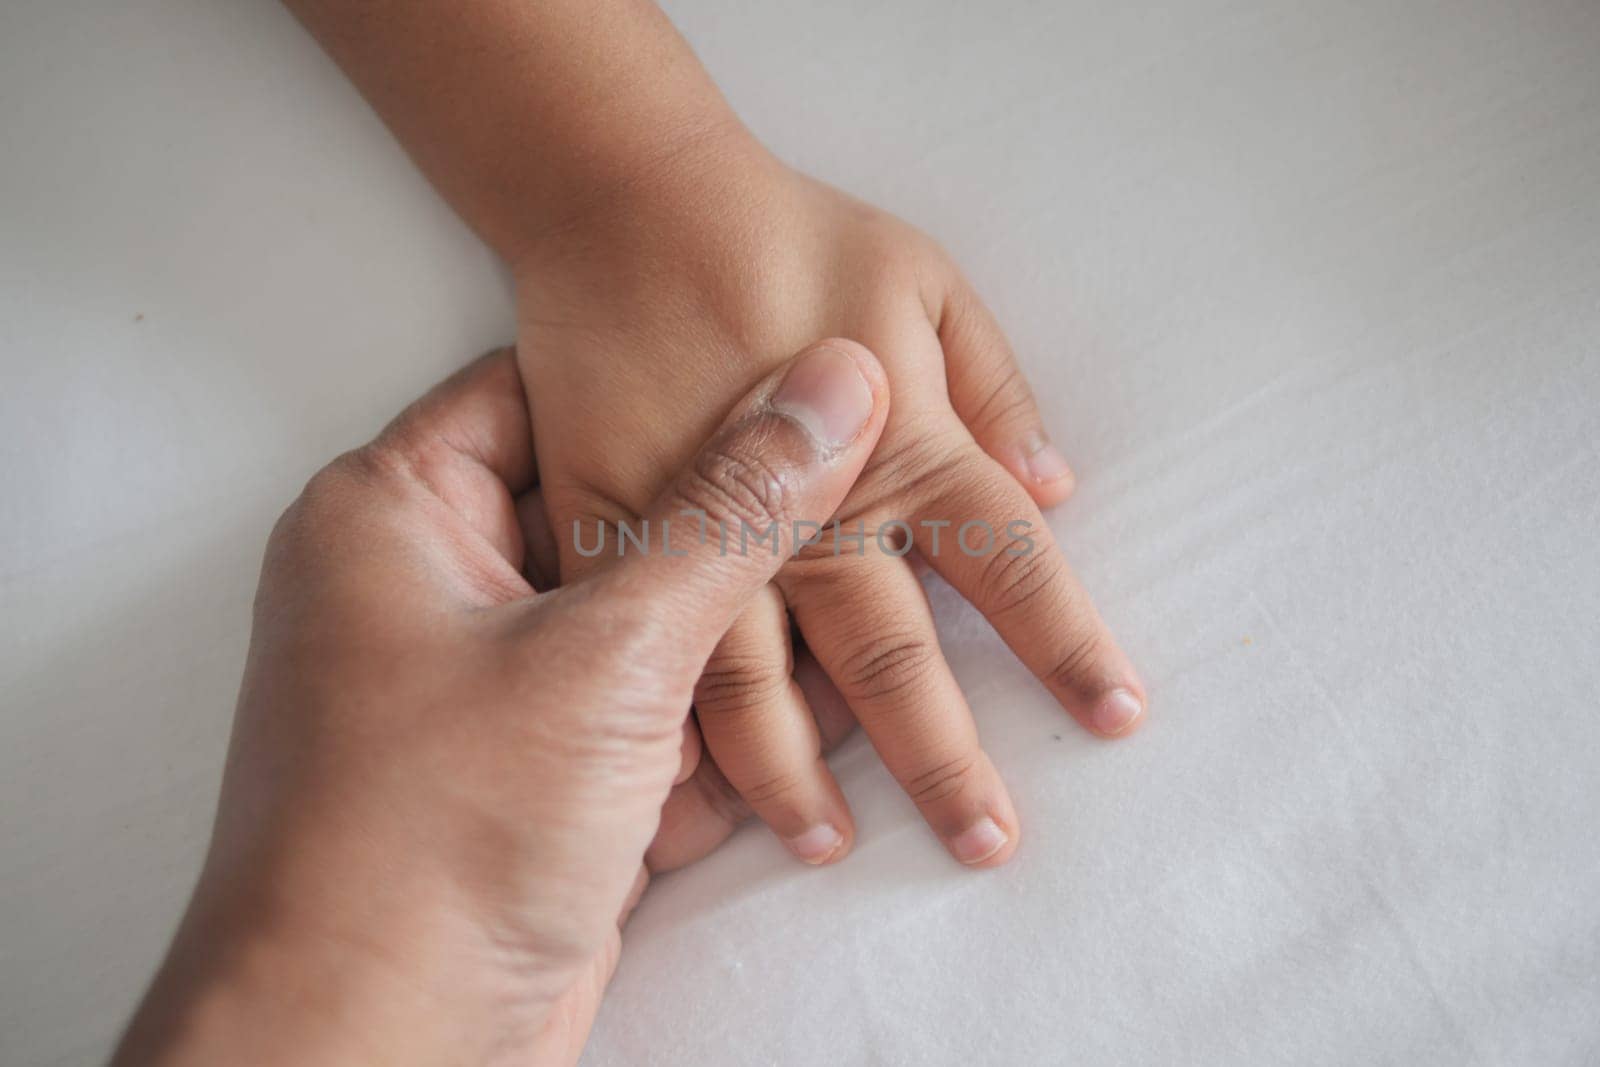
{"type": "Point", "coordinates": [1012, 580]}
{"type": "Point", "coordinates": [772, 788]}
{"type": "Point", "coordinates": [376, 465]}
{"type": "Point", "coordinates": [935, 461]}
{"type": "Point", "coordinates": [1009, 401]}
{"type": "Point", "coordinates": [942, 781]}
{"type": "Point", "coordinates": [333, 483]}
{"type": "Point", "coordinates": [323, 503]}
{"type": "Point", "coordinates": [889, 667]}
{"type": "Point", "coordinates": [736, 487]}
{"type": "Point", "coordinates": [733, 684]}
{"type": "Point", "coordinates": [1073, 672]}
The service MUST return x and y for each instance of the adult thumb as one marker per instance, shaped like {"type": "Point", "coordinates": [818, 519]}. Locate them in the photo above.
{"type": "Point", "coordinates": [771, 475]}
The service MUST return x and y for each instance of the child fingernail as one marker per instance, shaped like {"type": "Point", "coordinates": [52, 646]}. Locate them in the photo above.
{"type": "Point", "coordinates": [1045, 461]}
{"type": "Point", "coordinates": [1117, 711]}
{"type": "Point", "coordinates": [817, 844]}
{"type": "Point", "coordinates": [825, 393]}
{"type": "Point", "coordinates": [978, 842]}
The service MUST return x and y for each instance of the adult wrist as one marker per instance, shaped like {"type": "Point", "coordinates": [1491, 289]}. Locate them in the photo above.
{"type": "Point", "coordinates": [244, 988]}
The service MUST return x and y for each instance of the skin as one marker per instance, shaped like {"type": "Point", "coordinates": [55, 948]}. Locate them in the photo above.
{"type": "Point", "coordinates": [663, 262]}
{"type": "Point", "coordinates": [441, 784]}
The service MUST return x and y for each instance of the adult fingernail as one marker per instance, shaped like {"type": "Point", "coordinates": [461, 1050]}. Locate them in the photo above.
{"type": "Point", "coordinates": [1117, 711]}
{"type": "Point", "coordinates": [817, 844]}
{"type": "Point", "coordinates": [978, 842]}
{"type": "Point", "coordinates": [825, 392]}
{"type": "Point", "coordinates": [1045, 461]}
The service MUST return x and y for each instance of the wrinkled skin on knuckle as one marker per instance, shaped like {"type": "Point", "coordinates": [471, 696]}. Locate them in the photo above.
{"type": "Point", "coordinates": [735, 485]}
{"type": "Point", "coordinates": [1076, 672]}
{"type": "Point", "coordinates": [326, 498]}
{"type": "Point", "coordinates": [363, 516]}
{"type": "Point", "coordinates": [731, 684]}
{"type": "Point", "coordinates": [1009, 402]}
{"type": "Point", "coordinates": [1015, 579]}
{"type": "Point", "coordinates": [917, 469]}
{"type": "Point", "coordinates": [773, 789]}
{"type": "Point", "coordinates": [945, 779]}
{"type": "Point", "coordinates": [315, 531]}
{"type": "Point", "coordinates": [888, 666]}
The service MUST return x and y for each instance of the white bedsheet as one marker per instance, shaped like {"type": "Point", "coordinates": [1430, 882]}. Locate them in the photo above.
{"type": "Point", "coordinates": [1310, 293]}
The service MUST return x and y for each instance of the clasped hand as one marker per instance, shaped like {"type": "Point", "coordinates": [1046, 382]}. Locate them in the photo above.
{"type": "Point", "coordinates": [442, 783]}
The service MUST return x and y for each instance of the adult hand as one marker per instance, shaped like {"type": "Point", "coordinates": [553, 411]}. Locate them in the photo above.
{"type": "Point", "coordinates": [441, 785]}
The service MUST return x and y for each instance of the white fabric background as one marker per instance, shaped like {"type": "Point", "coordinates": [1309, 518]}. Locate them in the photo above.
{"type": "Point", "coordinates": [1310, 293]}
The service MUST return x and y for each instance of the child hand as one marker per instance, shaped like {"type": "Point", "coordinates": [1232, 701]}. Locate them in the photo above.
{"type": "Point", "coordinates": [643, 320]}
